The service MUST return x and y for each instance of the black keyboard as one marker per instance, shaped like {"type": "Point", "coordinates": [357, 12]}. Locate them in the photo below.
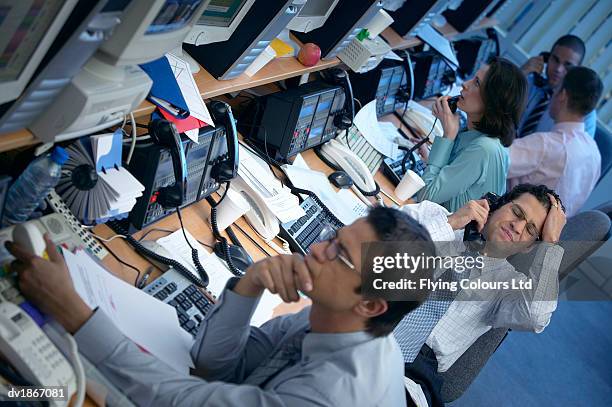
{"type": "Point", "coordinates": [190, 303]}
{"type": "Point", "coordinates": [305, 231]}
{"type": "Point", "coordinates": [393, 168]}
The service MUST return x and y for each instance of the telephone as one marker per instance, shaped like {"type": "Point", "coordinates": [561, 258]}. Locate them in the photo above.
{"type": "Point", "coordinates": [471, 233]}
{"type": "Point", "coordinates": [259, 216]}
{"type": "Point", "coordinates": [539, 79]}
{"type": "Point", "coordinates": [339, 157]}
{"type": "Point", "coordinates": [31, 352]}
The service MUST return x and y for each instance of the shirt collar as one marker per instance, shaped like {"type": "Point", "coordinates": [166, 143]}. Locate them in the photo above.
{"type": "Point", "coordinates": [317, 345]}
{"type": "Point", "coordinates": [568, 126]}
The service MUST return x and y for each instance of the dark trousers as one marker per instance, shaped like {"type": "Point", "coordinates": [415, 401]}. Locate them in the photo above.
{"type": "Point", "coordinates": [424, 371]}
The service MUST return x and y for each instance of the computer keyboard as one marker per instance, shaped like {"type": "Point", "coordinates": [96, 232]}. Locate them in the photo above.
{"type": "Point", "coordinates": [190, 303]}
{"type": "Point", "coordinates": [305, 231]}
{"type": "Point", "coordinates": [392, 168]}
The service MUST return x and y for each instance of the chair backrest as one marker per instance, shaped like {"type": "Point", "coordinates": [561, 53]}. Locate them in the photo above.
{"type": "Point", "coordinates": [603, 138]}
{"type": "Point", "coordinates": [582, 235]}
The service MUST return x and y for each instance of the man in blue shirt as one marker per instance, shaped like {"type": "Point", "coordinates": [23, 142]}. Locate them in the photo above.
{"type": "Point", "coordinates": [338, 352]}
{"type": "Point", "coordinates": [568, 51]}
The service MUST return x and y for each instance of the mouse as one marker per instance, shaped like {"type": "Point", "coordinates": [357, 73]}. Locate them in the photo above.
{"type": "Point", "coordinates": [340, 179]}
{"type": "Point", "coordinates": [30, 237]}
{"type": "Point", "coordinates": [239, 256]}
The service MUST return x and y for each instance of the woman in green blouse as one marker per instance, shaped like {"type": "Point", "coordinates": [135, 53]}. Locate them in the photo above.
{"type": "Point", "coordinates": [464, 166]}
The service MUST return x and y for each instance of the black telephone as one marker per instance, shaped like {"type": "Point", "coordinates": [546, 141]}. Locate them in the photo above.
{"type": "Point", "coordinates": [539, 79]}
{"type": "Point", "coordinates": [227, 168]}
{"type": "Point", "coordinates": [471, 233]}
{"type": "Point", "coordinates": [164, 134]}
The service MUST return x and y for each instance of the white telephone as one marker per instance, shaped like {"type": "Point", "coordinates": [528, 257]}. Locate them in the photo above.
{"type": "Point", "coordinates": [259, 216]}
{"type": "Point", "coordinates": [31, 353]}
{"type": "Point", "coordinates": [340, 156]}
{"type": "Point", "coordinates": [421, 119]}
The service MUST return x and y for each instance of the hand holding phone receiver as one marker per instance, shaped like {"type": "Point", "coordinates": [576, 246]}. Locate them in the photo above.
{"type": "Point", "coordinates": [30, 237]}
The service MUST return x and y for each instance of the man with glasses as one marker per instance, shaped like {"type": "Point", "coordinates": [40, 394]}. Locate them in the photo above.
{"type": "Point", "coordinates": [338, 352]}
{"type": "Point", "coordinates": [527, 215]}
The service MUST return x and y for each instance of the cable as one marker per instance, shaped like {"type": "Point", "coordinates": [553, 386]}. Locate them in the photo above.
{"type": "Point", "coordinates": [194, 252]}
{"type": "Point", "coordinates": [154, 230]}
{"type": "Point", "coordinates": [109, 239]}
{"type": "Point", "coordinates": [260, 247]}
{"type": "Point", "coordinates": [75, 359]}
{"type": "Point", "coordinates": [416, 147]}
{"type": "Point", "coordinates": [133, 144]}
{"type": "Point", "coordinates": [123, 262]}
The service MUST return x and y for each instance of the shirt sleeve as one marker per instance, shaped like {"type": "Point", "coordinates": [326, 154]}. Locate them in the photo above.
{"type": "Point", "coordinates": [531, 309]}
{"type": "Point", "coordinates": [590, 123]}
{"type": "Point", "coordinates": [526, 154]}
{"type": "Point", "coordinates": [227, 348]}
{"type": "Point", "coordinates": [149, 382]}
{"type": "Point", "coordinates": [445, 180]}
{"type": "Point", "coordinates": [434, 218]}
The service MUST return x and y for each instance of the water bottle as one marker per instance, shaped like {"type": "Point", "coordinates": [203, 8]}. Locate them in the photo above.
{"type": "Point", "coordinates": [32, 186]}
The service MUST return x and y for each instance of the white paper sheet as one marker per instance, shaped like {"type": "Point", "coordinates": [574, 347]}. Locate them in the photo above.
{"type": "Point", "coordinates": [367, 123]}
{"type": "Point", "coordinates": [180, 251]}
{"type": "Point", "coordinates": [150, 323]}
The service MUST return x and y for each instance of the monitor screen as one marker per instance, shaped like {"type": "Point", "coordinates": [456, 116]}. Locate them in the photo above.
{"type": "Point", "coordinates": [316, 8]}
{"type": "Point", "coordinates": [23, 24]}
{"type": "Point", "coordinates": [466, 13]}
{"type": "Point", "coordinates": [174, 15]}
{"type": "Point", "coordinates": [409, 14]}
{"type": "Point", "coordinates": [221, 13]}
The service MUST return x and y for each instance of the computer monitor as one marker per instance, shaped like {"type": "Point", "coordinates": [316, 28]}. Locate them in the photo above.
{"type": "Point", "coordinates": [468, 14]}
{"type": "Point", "coordinates": [27, 30]}
{"type": "Point", "coordinates": [149, 29]}
{"type": "Point", "coordinates": [413, 13]}
{"type": "Point", "coordinates": [313, 15]}
{"type": "Point", "coordinates": [218, 22]}
{"type": "Point", "coordinates": [347, 19]}
{"type": "Point", "coordinates": [261, 24]}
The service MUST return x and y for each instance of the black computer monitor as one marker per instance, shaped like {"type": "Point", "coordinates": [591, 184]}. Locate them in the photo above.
{"type": "Point", "coordinates": [413, 13]}
{"type": "Point", "coordinates": [467, 13]}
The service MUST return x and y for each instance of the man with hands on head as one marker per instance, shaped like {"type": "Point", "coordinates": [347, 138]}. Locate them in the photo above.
{"type": "Point", "coordinates": [524, 216]}
{"type": "Point", "coordinates": [337, 352]}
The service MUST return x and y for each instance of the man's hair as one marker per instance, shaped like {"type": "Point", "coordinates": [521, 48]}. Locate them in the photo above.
{"type": "Point", "coordinates": [540, 192]}
{"type": "Point", "coordinates": [584, 88]}
{"type": "Point", "coordinates": [393, 225]}
{"type": "Point", "coordinates": [504, 94]}
{"type": "Point", "coordinates": [572, 42]}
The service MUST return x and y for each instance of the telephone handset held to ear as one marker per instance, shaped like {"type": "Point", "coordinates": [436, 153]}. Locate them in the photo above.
{"type": "Point", "coordinates": [227, 169]}
{"type": "Point", "coordinates": [165, 134]}
{"type": "Point", "coordinates": [539, 80]}
{"type": "Point", "coordinates": [471, 233]}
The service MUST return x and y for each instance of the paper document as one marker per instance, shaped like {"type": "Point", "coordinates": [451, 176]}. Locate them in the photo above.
{"type": "Point", "coordinates": [343, 204]}
{"type": "Point", "coordinates": [391, 133]}
{"type": "Point", "coordinates": [367, 123]}
{"type": "Point", "coordinates": [180, 251]}
{"type": "Point", "coordinates": [150, 323]}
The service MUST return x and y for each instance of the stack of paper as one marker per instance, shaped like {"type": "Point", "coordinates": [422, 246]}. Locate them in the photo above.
{"type": "Point", "coordinates": [94, 184]}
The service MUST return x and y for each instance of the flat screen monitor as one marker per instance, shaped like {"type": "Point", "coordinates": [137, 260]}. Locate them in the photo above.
{"type": "Point", "coordinates": [439, 43]}
{"type": "Point", "coordinates": [313, 15]}
{"type": "Point", "coordinates": [27, 30]}
{"type": "Point", "coordinates": [413, 13]}
{"type": "Point", "coordinates": [218, 21]}
{"type": "Point", "coordinates": [149, 29]}
{"type": "Point", "coordinates": [467, 13]}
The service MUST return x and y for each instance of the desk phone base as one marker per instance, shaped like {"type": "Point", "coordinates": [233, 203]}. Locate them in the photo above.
{"type": "Point", "coordinates": [394, 172]}
{"type": "Point", "coordinates": [190, 303]}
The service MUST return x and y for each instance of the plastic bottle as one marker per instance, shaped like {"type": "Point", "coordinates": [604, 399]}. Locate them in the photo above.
{"type": "Point", "coordinates": [32, 186]}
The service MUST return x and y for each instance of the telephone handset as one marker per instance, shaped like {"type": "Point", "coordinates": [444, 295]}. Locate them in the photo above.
{"type": "Point", "coordinates": [164, 133]}
{"type": "Point", "coordinates": [31, 352]}
{"type": "Point", "coordinates": [338, 156]}
{"type": "Point", "coordinates": [259, 216]}
{"type": "Point", "coordinates": [539, 79]}
{"type": "Point", "coordinates": [471, 233]}
{"type": "Point", "coordinates": [227, 169]}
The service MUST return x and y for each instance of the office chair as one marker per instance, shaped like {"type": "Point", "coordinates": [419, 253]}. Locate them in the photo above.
{"type": "Point", "coordinates": [603, 138]}
{"type": "Point", "coordinates": [606, 208]}
{"type": "Point", "coordinates": [584, 233]}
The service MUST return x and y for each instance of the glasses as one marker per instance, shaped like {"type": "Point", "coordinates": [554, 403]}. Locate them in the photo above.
{"type": "Point", "coordinates": [532, 229]}
{"type": "Point", "coordinates": [328, 234]}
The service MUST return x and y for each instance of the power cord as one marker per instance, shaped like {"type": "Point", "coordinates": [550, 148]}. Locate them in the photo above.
{"type": "Point", "coordinates": [194, 252]}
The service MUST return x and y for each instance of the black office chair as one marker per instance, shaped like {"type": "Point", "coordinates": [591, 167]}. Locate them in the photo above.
{"type": "Point", "coordinates": [583, 234]}
{"type": "Point", "coordinates": [603, 138]}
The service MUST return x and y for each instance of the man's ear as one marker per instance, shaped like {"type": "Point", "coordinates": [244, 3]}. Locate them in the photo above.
{"type": "Point", "coordinates": [371, 308]}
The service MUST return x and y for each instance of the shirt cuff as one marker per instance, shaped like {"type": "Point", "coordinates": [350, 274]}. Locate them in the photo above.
{"type": "Point", "coordinates": [440, 152]}
{"type": "Point", "coordinates": [98, 337]}
{"type": "Point", "coordinates": [234, 309]}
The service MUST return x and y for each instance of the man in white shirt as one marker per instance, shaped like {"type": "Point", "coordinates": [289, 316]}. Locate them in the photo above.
{"type": "Point", "coordinates": [566, 158]}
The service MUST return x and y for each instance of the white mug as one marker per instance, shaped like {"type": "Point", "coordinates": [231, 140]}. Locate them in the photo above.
{"type": "Point", "coordinates": [410, 184]}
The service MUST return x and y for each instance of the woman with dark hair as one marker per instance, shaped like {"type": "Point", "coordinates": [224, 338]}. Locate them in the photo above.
{"type": "Point", "coordinates": [464, 166]}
